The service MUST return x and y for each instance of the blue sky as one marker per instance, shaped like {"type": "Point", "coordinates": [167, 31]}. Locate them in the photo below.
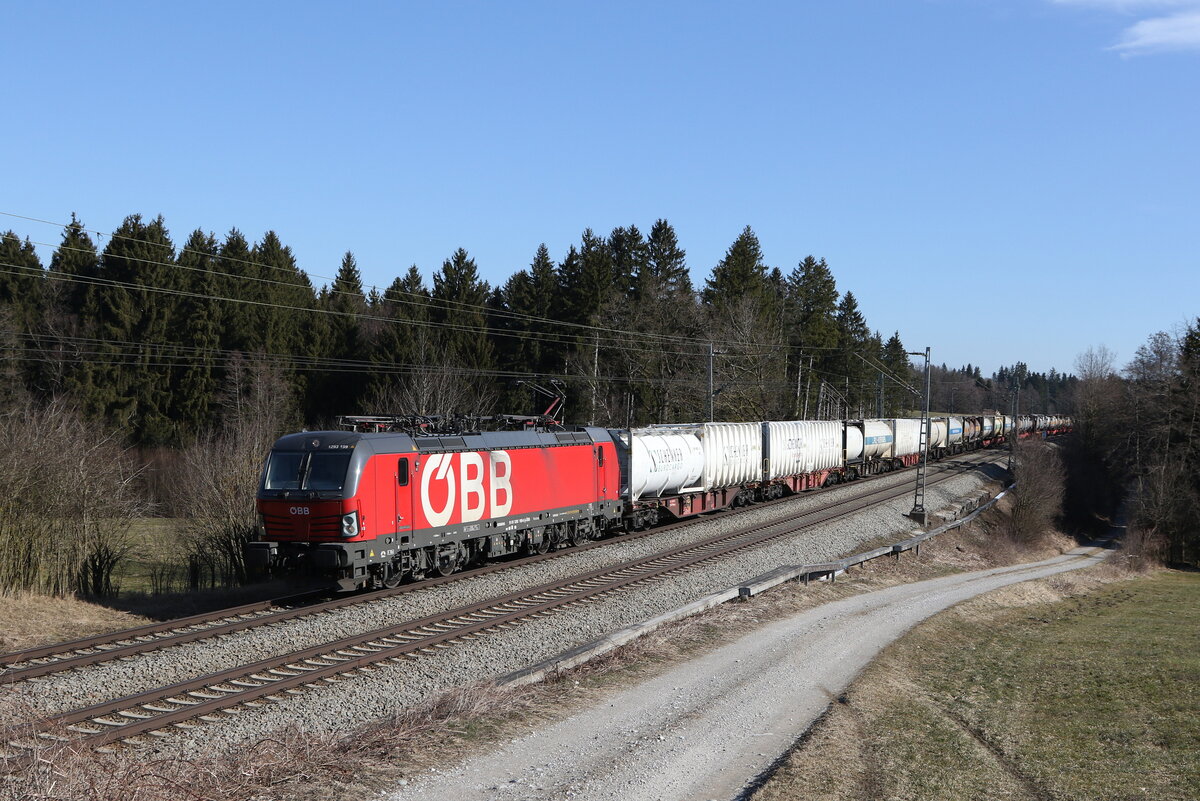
{"type": "Point", "coordinates": [1001, 181]}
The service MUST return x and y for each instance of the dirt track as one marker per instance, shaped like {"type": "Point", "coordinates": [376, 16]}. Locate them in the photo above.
{"type": "Point", "coordinates": [708, 728]}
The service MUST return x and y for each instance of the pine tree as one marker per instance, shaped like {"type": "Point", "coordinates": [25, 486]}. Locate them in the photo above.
{"type": "Point", "coordinates": [740, 274]}
{"type": "Point", "coordinates": [342, 391]}
{"type": "Point", "coordinates": [666, 261]}
{"type": "Point", "coordinates": [896, 398]}
{"type": "Point", "coordinates": [853, 342]}
{"type": "Point", "coordinates": [400, 350]}
{"type": "Point", "coordinates": [459, 297]}
{"type": "Point", "coordinates": [134, 318]}
{"type": "Point", "coordinates": [244, 325]}
{"type": "Point", "coordinates": [73, 267]}
{"type": "Point", "coordinates": [630, 256]}
{"type": "Point", "coordinates": [285, 288]}
{"type": "Point", "coordinates": [21, 281]}
{"type": "Point", "coordinates": [587, 279]}
{"type": "Point", "coordinates": [811, 303]}
{"type": "Point", "coordinates": [200, 314]}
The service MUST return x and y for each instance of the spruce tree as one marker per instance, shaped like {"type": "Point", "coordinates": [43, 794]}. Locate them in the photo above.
{"type": "Point", "coordinates": [587, 279]}
{"type": "Point", "coordinates": [459, 297]}
{"type": "Point", "coordinates": [853, 343]}
{"type": "Point", "coordinates": [21, 281]}
{"type": "Point", "coordinates": [198, 376]}
{"type": "Point", "coordinates": [397, 350]}
{"type": "Point", "coordinates": [135, 318]}
{"type": "Point", "coordinates": [341, 390]}
{"type": "Point", "coordinates": [630, 255]}
{"type": "Point", "coordinates": [285, 288]}
{"type": "Point", "coordinates": [739, 275]}
{"type": "Point", "coordinates": [244, 325]}
{"type": "Point", "coordinates": [666, 261]}
{"type": "Point", "coordinates": [73, 268]}
{"type": "Point", "coordinates": [811, 319]}
{"type": "Point", "coordinates": [897, 399]}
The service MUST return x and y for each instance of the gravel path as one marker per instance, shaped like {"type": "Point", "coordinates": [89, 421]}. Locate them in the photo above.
{"type": "Point", "coordinates": [707, 728]}
{"type": "Point", "coordinates": [366, 697]}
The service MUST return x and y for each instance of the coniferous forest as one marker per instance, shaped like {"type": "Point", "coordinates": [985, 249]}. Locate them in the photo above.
{"type": "Point", "coordinates": [147, 376]}
{"type": "Point", "coordinates": [160, 341]}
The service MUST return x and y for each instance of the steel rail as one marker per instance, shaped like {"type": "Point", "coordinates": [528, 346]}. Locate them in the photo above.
{"type": "Point", "coordinates": [153, 710]}
{"type": "Point", "coordinates": [55, 658]}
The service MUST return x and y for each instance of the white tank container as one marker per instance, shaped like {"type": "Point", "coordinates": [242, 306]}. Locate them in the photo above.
{"type": "Point", "coordinates": [908, 436]}
{"type": "Point", "coordinates": [732, 454]}
{"type": "Point", "coordinates": [989, 427]}
{"type": "Point", "coordinates": [954, 430]}
{"type": "Point", "coordinates": [664, 463]}
{"type": "Point", "coordinates": [854, 441]}
{"type": "Point", "coordinates": [802, 446]}
{"type": "Point", "coordinates": [878, 439]}
{"type": "Point", "coordinates": [939, 432]}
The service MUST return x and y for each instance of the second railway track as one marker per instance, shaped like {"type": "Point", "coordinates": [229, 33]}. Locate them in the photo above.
{"type": "Point", "coordinates": [186, 703]}
{"type": "Point", "coordinates": [56, 658]}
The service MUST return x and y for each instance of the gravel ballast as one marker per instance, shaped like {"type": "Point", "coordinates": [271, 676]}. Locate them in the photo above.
{"type": "Point", "coordinates": [386, 687]}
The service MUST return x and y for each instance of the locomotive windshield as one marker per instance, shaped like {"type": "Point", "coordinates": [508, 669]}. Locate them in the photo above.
{"type": "Point", "coordinates": [316, 472]}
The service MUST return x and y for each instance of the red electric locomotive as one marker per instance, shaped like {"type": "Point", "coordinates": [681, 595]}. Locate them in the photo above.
{"type": "Point", "coordinates": [370, 509]}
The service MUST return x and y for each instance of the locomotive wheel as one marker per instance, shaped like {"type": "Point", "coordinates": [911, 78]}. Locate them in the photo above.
{"type": "Point", "coordinates": [539, 547]}
{"type": "Point", "coordinates": [392, 579]}
{"type": "Point", "coordinates": [579, 535]}
{"type": "Point", "coordinates": [447, 562]}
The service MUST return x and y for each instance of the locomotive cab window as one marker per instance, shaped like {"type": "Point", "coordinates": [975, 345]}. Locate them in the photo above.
{"type": "Point", "coordinates": [283, 471]}
{"type": "Point", "coordinates": [402, 473]}
{"type": "Point", "coordinates": [327, 471]}
{"type": "Point", "coordinates": [307, 471]}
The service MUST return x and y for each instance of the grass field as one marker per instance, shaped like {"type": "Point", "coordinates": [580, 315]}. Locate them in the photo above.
{"type": "Point", "coordinates": [154, 544]}
{"type": "Point", "coordinates": [1060, 689]}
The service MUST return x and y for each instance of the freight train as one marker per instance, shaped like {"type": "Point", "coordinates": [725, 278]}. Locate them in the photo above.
{"type": "Point", "coordinates": [388, 499]}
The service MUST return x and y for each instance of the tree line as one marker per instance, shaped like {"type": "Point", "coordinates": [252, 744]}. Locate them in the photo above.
{"type": "Point", "coordinates": [180, 364]}
{"type": "Point", "coordinates": [1139, 441]}
{"type": "Point", "coordinates": [153, 340]}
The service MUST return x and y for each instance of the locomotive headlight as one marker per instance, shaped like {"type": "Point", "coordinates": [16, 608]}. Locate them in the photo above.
{"type": "Point", "coordinates": [350, 525]}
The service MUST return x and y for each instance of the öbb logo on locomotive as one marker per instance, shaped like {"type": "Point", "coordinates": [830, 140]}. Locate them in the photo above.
{"type": "Point", "coordinates": [453, 482]}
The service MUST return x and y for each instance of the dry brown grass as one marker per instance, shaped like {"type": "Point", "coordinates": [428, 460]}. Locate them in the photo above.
{"type": "Point", "coordinates": [28, 620]}
{"type": "Point", "coordinates": [889, 736]}
{"type": "Point", "coordinates": [300, 766]}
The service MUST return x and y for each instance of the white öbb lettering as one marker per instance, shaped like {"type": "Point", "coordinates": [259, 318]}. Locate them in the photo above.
{"type": "Point", "coordinates": [299, 510]}
{"type": "Point", "coordinates": [463, 474]}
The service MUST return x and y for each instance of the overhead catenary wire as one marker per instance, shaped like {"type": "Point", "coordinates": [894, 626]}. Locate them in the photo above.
{"type": "Point", "coordinates": [742, 349]}
{"type": "Point", "coordinates": [617, 339]}
{"type": "Point", "coordinates": [173, 354]}
{"type": "Point", "coordinates": [418, 299]}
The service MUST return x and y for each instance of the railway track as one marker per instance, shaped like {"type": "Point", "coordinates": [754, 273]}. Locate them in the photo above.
{"type": "Point", "coordinates": [48, 660]}
{"type": "Point", "coordinates": [190, 703]}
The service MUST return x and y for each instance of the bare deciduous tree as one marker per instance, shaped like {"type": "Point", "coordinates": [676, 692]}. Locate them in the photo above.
{"type": "Point", "coordinates": [70, 497]}
{"type": "Point", "coordinates": [1038, 497]}
{"type": "Point", "coordinates": [214, 482]}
